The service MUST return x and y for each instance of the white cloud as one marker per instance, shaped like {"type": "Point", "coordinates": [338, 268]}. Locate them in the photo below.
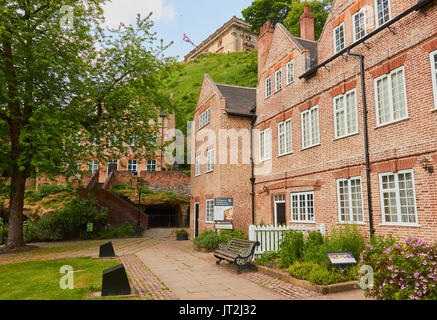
{"type": "Point", "coordinates": [126, 11]}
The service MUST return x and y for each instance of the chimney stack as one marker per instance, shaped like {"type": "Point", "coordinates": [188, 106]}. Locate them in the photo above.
{"type": "Point", "coordinates": [307, 24]}
{"type": "Point", "coordinates": [264, 41]}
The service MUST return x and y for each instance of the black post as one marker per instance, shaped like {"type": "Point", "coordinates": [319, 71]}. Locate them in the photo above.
{"type": "Point", "coordinates": [366, 141]}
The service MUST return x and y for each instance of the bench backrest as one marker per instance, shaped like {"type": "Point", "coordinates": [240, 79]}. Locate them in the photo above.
{"type": "Point", "coordinates": [235, 245]}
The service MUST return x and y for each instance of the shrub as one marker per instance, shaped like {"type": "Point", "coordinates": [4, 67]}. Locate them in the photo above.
{"type": "Point", "coordinates": [69, 222]}
{"type": "Point", "coordinates": [227, 235]}
{"type": "Point", "coordinates": [46, 190]}
{"type": "Point", "coordinates": [120, 188]}
{"type": "Point", "coordinates": [302, 270]}
{"type": "Point", "coordinates": [291, 248]}
{"type": "Point", "coordinates": [322, 276]}
{"type": "Point", "coordinates": [207, 239]}
{"type": "Point", "coordinates": [346, 238]}
{"type": "Point", "coordinates": [401, 271]}
{"type": "Point", "coordinates": [267, 258]}
{"type": "Point", "coordinates": [125, 231]}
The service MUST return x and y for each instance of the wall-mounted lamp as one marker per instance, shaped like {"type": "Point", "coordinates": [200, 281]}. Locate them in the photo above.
{"type": "Point", "coordinates": [426, 165]}
{"type": "Point", "coordinates": [266, 190]}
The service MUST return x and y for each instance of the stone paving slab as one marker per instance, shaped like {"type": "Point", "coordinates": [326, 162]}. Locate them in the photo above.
{"type": "Point", "coordinates": [193, 275]}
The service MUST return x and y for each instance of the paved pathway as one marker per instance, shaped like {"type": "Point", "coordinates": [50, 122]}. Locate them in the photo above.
{"type": "Point", "coordinates": [193, 275]}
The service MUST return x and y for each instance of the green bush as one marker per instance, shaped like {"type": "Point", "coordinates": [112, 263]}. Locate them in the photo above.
{"type": "Point", "coordinates": [120, 188]}
{"type": "Point", "coordinates": [346, 238]}
{"type": "Point", "coordinates": [181, 233]}
{"type": "Point", "coordinates": [322, 276]}
{"type": "Point", "coordinates": [125, 231]}
{"type": "Point", "coordinates": [207, 239]}
{"type": "Point", "coordinates": [302, 270]}
{"type": "Point", "coordinates": [267, 258]}
{"type": "Point", "coordinates": [227, 235]}
{"type": "Point", "coordinates": [69, 222]}
{"type": "Point", "coordinates": [292, 247]}
{"type": "Point", "coordinates": [46, 190]}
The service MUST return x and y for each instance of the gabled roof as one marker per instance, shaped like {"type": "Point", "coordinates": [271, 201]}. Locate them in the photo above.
{"type": "Point", "coordinates": [239, 100]}
{"type": "Point", "coordinates": [303, 45]}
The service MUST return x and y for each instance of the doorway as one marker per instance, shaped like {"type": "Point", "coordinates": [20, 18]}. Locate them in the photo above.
{"type": "Point", "coordinates": [279, 208]}
{"type": "Point", "coordinates": [112, 166]}
{"type": "Point", "coordinates": [196, 219]}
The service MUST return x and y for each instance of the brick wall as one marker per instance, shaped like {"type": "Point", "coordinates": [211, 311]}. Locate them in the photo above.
{"type": "Point", "coordinates": [393, 147]}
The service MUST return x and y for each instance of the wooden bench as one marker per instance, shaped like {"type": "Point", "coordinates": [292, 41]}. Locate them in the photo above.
{"type": "Point", "coordinates": [237, 251]}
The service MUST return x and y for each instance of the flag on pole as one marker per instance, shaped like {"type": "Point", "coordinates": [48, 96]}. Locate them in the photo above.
{"type": "Point", "coordinates": [188, 40]}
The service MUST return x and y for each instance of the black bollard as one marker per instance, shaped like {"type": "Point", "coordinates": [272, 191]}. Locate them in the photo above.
{"type": "Point", "coordinates": [115, 282]}
{"type": "Point", "coordinates": [107, 250]}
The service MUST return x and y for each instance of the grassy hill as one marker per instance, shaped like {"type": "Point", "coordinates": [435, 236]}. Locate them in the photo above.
{"type": "Point", "coordinates": [240, 68]}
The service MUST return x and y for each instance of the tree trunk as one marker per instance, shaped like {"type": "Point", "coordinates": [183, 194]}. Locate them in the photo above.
{"type": "Point", "coordinates": [15, 234]}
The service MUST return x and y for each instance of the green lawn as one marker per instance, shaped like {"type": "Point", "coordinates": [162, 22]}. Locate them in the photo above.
{"type": "Point", "coordinates": [40, 280]}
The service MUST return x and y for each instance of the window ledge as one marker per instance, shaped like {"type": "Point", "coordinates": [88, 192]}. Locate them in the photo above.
{"type": "Point", "coordinates": [289, 83]}
{"type": "Point", "coordinates": [434, 110]}
{"type": "Point", "coordinates": [209, 222]}
{"type": "Point", "coordinates": [349, 135]}
{"type": "Point", "coordinates": [285, 154]}
{"type": "Point", "coordinates": [276, 91]}
{"type": "Point", "coordinates": [351, 223]}
{"type": "Point", "coordinates": [313, 146]}
{"type": "Point", "coordinates": [206, 172]}
{"type": "Point", "coordinates": [303, 222]}
{"type": "Point", "coordinates": [394, 224]}
{"type": "Point", "coordinates": [393, 122]}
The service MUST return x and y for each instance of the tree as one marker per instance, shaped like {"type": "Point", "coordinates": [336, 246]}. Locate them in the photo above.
{"type": "Point", "coordinates": [320, 10]}
{"type": "Point", "coordinates": [287, 12]}
{"type": "Point", "coordinates": [63, 86]}
{"type": "Point", "coordinates": [261, 11]}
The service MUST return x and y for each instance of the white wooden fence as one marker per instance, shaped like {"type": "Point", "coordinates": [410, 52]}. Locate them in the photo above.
{"type": "Point", "coordinates": [270, 237]}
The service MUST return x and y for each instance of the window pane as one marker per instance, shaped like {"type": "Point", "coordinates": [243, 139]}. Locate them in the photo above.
{"type": "Point", "coordinates": [288, 136]}
{"type": "Point", "coordinates": [351, 111]}
{"type": "Point", "coordinates": [383, 11]}
{"type": "Point", "coordinates": [306, 130]}
{"type": "Point", "coordinates": [315, 126]}
{"type": "Point", "coordinates": [359, 25]}
{"type": "Point", "coordinates": [383, 100]}
{"type": "Point", "coordinates": [398, 93]}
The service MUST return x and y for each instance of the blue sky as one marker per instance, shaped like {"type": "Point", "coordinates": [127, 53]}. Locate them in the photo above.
{"type": "Point", "coordinates": [197, 18]}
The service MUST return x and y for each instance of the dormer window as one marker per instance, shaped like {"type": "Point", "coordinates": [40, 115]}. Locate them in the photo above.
{"type": "Point", "coordinates": [382, 12]}
{"type": "Point", "coordinates": [339, 42]}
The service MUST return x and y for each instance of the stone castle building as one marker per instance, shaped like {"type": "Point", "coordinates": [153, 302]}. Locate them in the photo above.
{"type": "Point", "coordinates": [233, 36]}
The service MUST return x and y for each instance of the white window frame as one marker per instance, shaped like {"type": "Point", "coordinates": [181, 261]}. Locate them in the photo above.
{"type": "Point", "coordinates": [197, 167]}
{"type": "Point", "coordinates": [312, 143]}
{"type": "Point", "coordinates": [390, 97]}
{"type": "Point", "coordinates": [398, 204]}
{"type": "Point", "coordinates": [287, 135]}
{"type": "Point", "coordinates": [363, 12]}
{"type": "Point", "coordinates": [265, 143]}
{"type": "Point", "coordinates": [133, 165]}
{"type": "Point", "coordinates": [350, 205]}
{"type": "Point", "coordinates": [341, 25]}
{"type": "Point", "coordinates": [305, 194]}
{"type": "Point", "coordinates": [210, 160]}
{"type": "Point", "coordinates": [290, 72]}
{"type": "Point", "coordinates": [433, 55]}
{"type": "Point", "coordinates": [93, 165]}
{"type": "Point", "coordinates": [377, 12]}
{"type": "Point", "coordinates": [150, 165]}
{"type": "Point", "coordinates": [209, 205]}
{"type": "Point", "coordinates": [348, 131]}
{"type": "Point", "coordinates": [278, 80]}
{"type": "Point", "coordinates": [204, 118]}
{"type": "Point", "coordinates": [268, 87]}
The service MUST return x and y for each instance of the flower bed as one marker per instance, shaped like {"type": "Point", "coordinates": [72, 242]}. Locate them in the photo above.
{"type": "Point", "coordinates": [302, 257]}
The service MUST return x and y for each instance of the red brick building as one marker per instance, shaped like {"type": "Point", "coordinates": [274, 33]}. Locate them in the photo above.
{"type": "Point", "coordinates": [317, 151]}
{"type": "Point", "coordinates": [221, 166]}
